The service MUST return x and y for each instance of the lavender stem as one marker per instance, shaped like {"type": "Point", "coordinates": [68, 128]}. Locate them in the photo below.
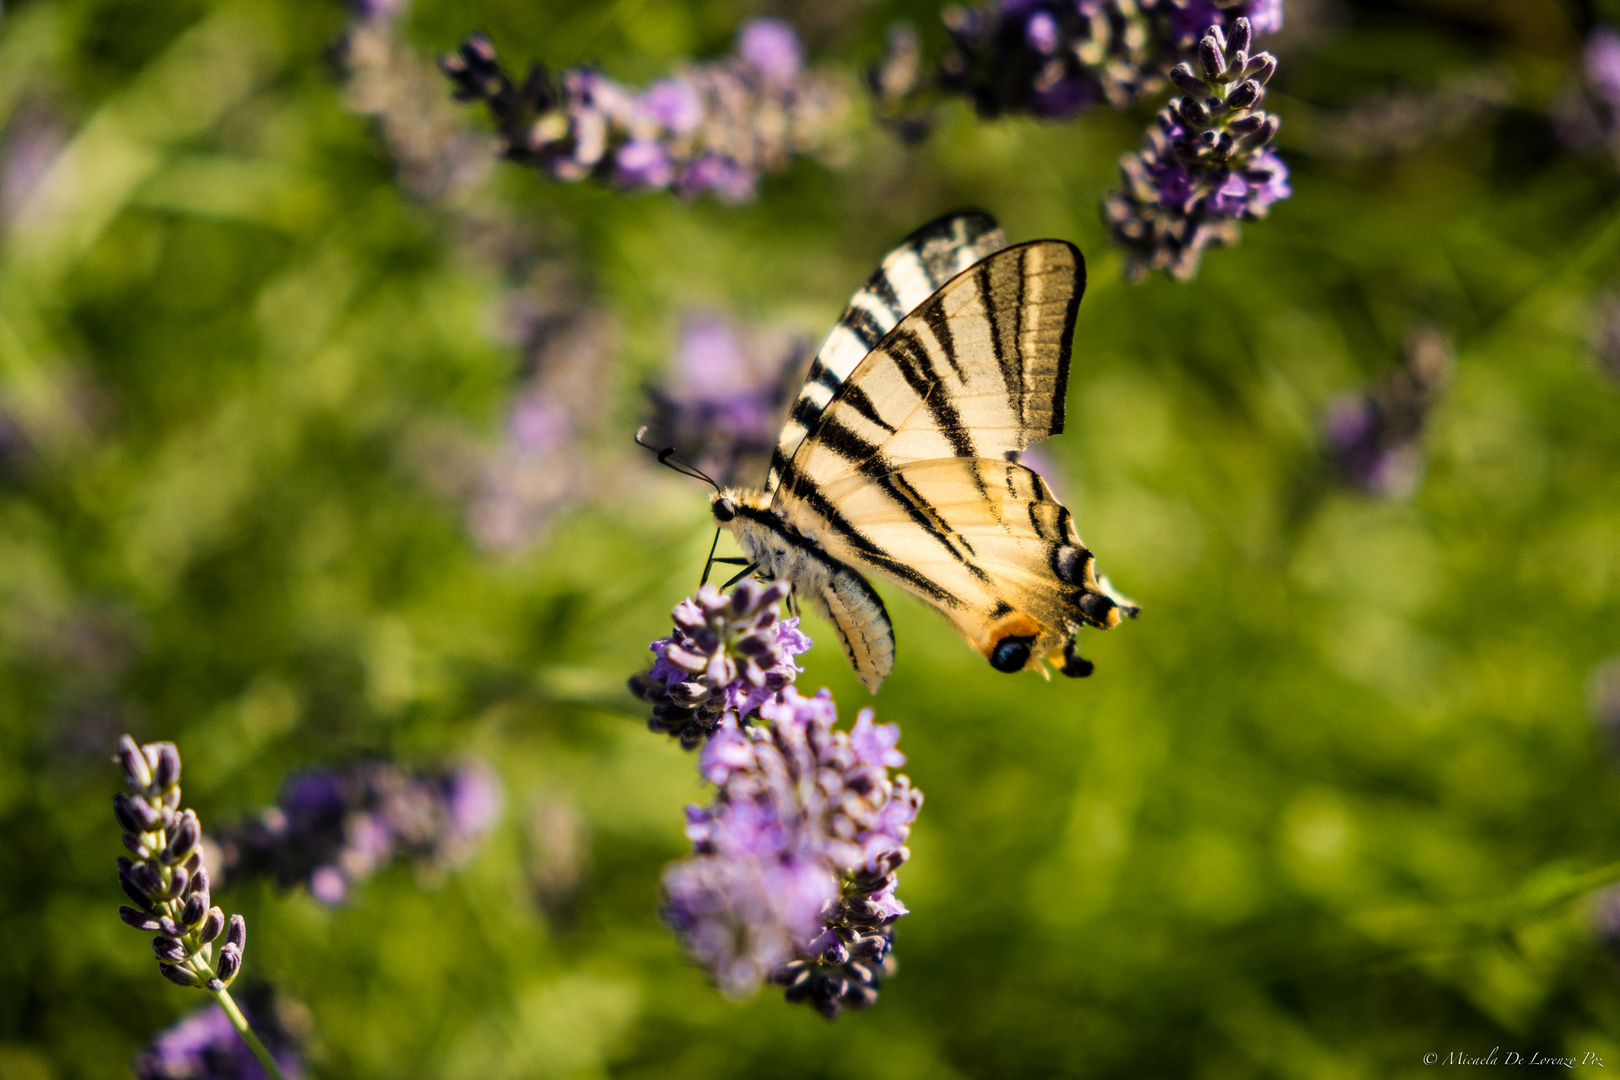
{"type": "Point", "coordinates": [239, 1022]}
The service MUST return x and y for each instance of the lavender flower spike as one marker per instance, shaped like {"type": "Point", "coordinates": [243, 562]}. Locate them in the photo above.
{"type": "Point", "coordinates": [169, 884]}
{"type": "Point", "coordinates": [730, 652]}
{"type": "Point", "coordinates": [1207, 164]}
{"type": "Point", "coordinates": [711, 127]}
{"type": "Point", "coordinates": [793, 877]}
{"type": "Point", "coordinates": [332, 829]}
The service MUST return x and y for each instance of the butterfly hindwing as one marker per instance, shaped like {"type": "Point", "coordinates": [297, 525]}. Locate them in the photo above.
{"type": "Point", "coordinates": [986, 543]}
{"type": "Point", "coordinates": [908, 275]}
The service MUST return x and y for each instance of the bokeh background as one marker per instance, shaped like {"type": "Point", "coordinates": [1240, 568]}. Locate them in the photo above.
{"type": "Point", "coordinates": [267, 330]}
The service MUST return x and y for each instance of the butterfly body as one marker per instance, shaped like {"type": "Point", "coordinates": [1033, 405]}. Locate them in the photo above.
{"type": "Point", "coordinates": [903, 464]}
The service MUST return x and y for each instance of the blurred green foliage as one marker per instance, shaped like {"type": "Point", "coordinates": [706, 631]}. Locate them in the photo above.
{"type": "Point", "coordinates": [1325, 808]}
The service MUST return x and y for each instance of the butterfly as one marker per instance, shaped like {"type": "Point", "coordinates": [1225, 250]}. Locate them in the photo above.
{"type": "Point", "coordinates": [900, 457]}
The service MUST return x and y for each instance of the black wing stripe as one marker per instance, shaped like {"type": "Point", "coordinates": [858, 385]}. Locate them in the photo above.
{"type": "Point", "coordinates": [861, 402]}
{"type": "Point", "coordinates": [867, 457]}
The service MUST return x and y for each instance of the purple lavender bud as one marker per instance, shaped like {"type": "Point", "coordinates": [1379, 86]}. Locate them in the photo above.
{"type": "Point", "coordinates": [177, 883]}
{"type": "Point", "coordinates": [168, 950]}
{"type": "Point", "coordinates": [137, 772]}
{"type": "Point", "coordinates": [134, 815]}
{"type": "Point", "coordinates": [196, 908]}
{"type": "Point", "coordinates": [145, 878]}
{"type": "Point", "coordinates": [212, 924]}
{"type": "Point", "coordinates": [177, 975]}
{"type": "Point", "coordinates": [229, 962]}
{"type": "Point", "coordinates": [165, 761]}
{"type": "Point", "coordinates": [1262, 135]}
{"type": "Point", "coordinates": [1242, 36]}
{"type": "Point", "coordinates": [1182, 75]}
{"type": "Point", "coordinates": [187, 835]}
{"type": "Point", "coordinates": [132, 843]}
{"type": "Point", "coordinates": [237, 935]}
{"type": "Point", "coordinates": [169, 928]}
{"type": "Point", "coordinates": [1260, 68]}
{"type": "Point", "coordinates": [870, 948]}
{"type": "Point", "coordinates": [1193, 114]}
{"type": "Point", "coordinates": [140, 898]}
{"type": "Point", "coordinates": [1245, 95]}
{"type": "Point", "coordinates": [771, 48]}
{"type": "Point", "coordinates": [139, 920]}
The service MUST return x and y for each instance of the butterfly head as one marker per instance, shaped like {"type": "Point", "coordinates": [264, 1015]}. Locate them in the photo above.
{"type": "Point", "coordinates": [727, 503]}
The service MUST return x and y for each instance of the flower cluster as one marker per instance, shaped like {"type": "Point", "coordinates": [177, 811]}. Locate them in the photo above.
{"type": "Point", "coordinates": [167, 880]}
{"type": "Point", "coordinates": [1207, 163]}
{"type": "Point", "coordinates": [333, 828]}
{"type": "Point", "coordinates": [722, 410]}
{"type": "Point", "coordinates": [1374, 439]}
{"type": "Point", "coordinates": [793, 877]}
{"type": "Point", "coordinates": [1055, 58]}
{"type": "Point", "coordinates": [729, 653]}
{"type": "Point", "coordinates": [205, 1046]}
{"type": "Point", "coordinates": [712, 127]}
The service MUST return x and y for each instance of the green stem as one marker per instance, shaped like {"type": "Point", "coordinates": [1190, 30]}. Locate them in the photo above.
{"type": "Point", "coordinates": [239, 1022]}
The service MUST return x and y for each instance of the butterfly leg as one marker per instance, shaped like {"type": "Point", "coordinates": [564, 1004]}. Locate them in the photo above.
{"type": "Point", "coordinates": [710, 561]}
{"type": "Point", "coordinates": [739, 575]}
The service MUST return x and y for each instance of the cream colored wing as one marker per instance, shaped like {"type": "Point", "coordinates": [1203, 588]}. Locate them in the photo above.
{"type": "Point", "coordinates": [986, 544]}
{"type": "Point", "coordinates": [977, 370]}
{"type": "Point", "coordinates": [908, 275]}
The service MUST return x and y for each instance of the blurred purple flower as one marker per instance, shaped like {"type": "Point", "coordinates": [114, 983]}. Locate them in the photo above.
{"type": "Point", "coordinates": [722, 408]}
{"type": "Point", "coordinates": [793, 875]}
{"type": "Point", "coordinates": [771, 48]}
{"type": "Point", "coordinates": [675, 104]}
{"type": "Point", "coordinates": [335, 827]}
{"type": "Point", "coordinates": [204, 1046]}
{"type": "Point", "coordinates": [538, 423]}
{"type": "Point", "coordinates": [1374, 439]}
{"type": "Point", "coordinates": [1602, 55]}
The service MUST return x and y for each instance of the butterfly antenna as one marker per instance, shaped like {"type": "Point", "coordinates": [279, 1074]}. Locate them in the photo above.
{"type": "Point", "coordinates": [667, 458]}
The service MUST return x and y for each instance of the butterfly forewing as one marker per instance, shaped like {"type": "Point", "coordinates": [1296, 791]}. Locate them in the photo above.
{"type": "Point", "coordinates": [908, 276]}
{"type": "Point", "coordinates": [978, 370]}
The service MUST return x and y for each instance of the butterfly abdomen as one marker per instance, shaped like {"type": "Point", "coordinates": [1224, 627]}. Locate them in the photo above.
{"type": "Point", "coordinates": [832, 588]}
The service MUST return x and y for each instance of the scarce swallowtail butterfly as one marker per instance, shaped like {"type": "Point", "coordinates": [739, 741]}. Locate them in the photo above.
{"type": "Point", "coordinates": [900, 457]}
